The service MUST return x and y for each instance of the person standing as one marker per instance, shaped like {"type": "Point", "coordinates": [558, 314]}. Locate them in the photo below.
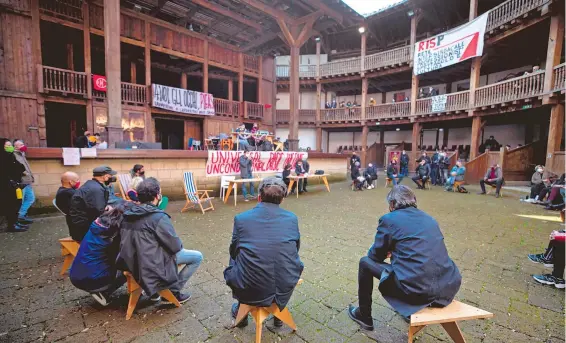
{"type": "Point", "coordinates": [27, 181]}
{"type": "Point", "coordinates": [435, 167]}
{"type": "Point", "coordinates": [404, 164]}
{"type": "Point", "coordinates": [493, 177]}
{"type": "Point", "coordinates": [355, 158]}
{"type": "Point", "coordinates": [11, 172]}
{"type": "Point", "coordinates": [246, 166]}
{"type": "Point", "coordinates": [443, 165]}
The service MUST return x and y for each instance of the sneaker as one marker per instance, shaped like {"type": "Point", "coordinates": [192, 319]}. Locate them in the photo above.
{"type": "Point", "coordinates": [539, 258]}
{"type": "Point", "coordinates": [234, 313]}
{"type": "Point", "coordinates": [548, 279]}
{"type": "Point", "coordinates": [481, 193]}
{"type": "Point", "coordinates": [305, 190]}
{"type": "Point", "coordinates": [497, 195]}
{"type": "Point", "coordinates": [246, 199]}
{"type": "Point", "coordinates": [100, 298]}
{"type": "Point", "coordinates": [181, 298]}
{"type": "Point", "coordinates": [277, 322]}
{"type": "Point", "coordinates": [25, 220]}
{"type": "Point", "coordinates": [155, 298]}
{"type": "Point", "coordinates": [355, 315]}
{"type": "Point", "coordinates": [18, 228]}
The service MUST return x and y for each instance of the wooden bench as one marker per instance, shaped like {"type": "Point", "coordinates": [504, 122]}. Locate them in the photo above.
{"type": "Point", "coordinates": [493, 188]}
{"type": "Point", "coordinates": [447, 317]}
{"type": "Point", "coordinates": [389, 181]}
{"type": "Point", "coordinates": [134, 290]}
{"type": "Point", "coordinates": [69, 249]}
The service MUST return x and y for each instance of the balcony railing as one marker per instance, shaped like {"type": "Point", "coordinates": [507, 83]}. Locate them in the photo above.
{"type": "Point", "coordinates": [62, 80]}
{"type": "Point", "coordinates": [388, 58]}
{"type": "Point", "coordinates": [305, 71]}
{"type": "Point", "coordinates": [133, 93]}
{"type": "Point", "coordinates": [283, 116]}
{"type": "Point", "coordinates": [341, 67]}
{"type": "Point", "coordinates": [510, 10]}
{"type": "Point", "coordinates": [251, 63]}
{"type": "Point", "coordinates": [253, 110]}
{"type": "Point", "coordinates": [305, 116]}
{"type": "Point", "coordinates": [389, 110]}
{"type": "Point", "coordinates": [559, 77]}
{"type": "Point", "coordinates": [454, 102]}
{"type": "Point", "coordinates": [226, 108]}
{"type": "Point", "coordinates": [521, 87]}
{"type": "Point", "coordinates": [341, 114]}
{"type": "Point", "coordinates": [68, 9]}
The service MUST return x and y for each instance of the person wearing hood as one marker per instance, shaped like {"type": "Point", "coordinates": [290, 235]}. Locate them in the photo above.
{"type": "Point", "coordinates": [371, 175]}
{"type": "Point", "coordinates": [27, 181]}
{"type": "Point", "coordinates": [89, 201]}
{"type": "Point", "coordinates": [11, 172]}
{"type": "Point", "coordinates": [150, 248]}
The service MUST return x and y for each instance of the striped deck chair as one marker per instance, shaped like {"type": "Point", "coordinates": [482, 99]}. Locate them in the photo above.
{"type": "Point", "coordinates": [194, 196]}
{"type": "Point", "coordinates": [124, 182]}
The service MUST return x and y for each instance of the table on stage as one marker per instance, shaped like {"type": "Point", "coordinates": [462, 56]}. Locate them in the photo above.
{"type": "Point", "coordinates": [234, 183]}
{"type": "Point", "coordinates": [246, 135]}
{"type": "Point", "coordinates": [296, 178]}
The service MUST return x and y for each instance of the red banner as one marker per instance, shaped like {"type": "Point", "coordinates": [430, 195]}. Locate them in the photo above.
{"type": "Point", "coordinates": [395, 156]}
{"type": "Point", "coordinates": [228, 162]}
{"type": "Point", "coordinates": [99, 83]}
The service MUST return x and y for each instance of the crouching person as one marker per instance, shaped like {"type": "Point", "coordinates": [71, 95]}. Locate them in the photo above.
{"type": "Point", "coordinates": [94, 269]}
{"type": "Point", "coordinates": [264, 265]}
{"type": "Point", "coordinates": [420, 274]}
{"type": "Point", "coordinates": [150, 248]}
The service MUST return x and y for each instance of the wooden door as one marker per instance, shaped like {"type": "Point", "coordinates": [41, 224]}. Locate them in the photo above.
{"type": "Point", "coordinates": [193, 129]}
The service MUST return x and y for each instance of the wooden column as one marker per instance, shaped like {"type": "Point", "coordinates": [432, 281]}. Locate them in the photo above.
{"type": "Point", "coordinates": [414, 78]}
{"type": "Point", "coordinates": [365, 131]}
{"type": "Point", "coordinates": [70, 57]}
{"type": "Point", "coordinates": [364, 98]}
{"type": "Point", "coordinates": [319, 139]}
{"type": "Point", "coordinates": [318, 104]}
{"type": "Point", "coordinates": [476, 64]}
{"type": "Point", "coordinates": [113, 74]}
{"type": "Point", "coordinates": [205, 69]}
{"type": "Point", "coordinates": [37, 60]}
{"type": "Point", "coordinates": [445, 137]}
{"type": "Point", "coordinates": [184, 80]}
{"type": "Point", "coordinates": [230, 90]}
{"type": "Point", "coordinates": [149, 121]}
{"type": "Point", "coordinates": [90, 120]}
{"type": "Point", "coordinates": [294, 100]}
{"type": "Point", "coordinates": [477, 125]}
{"type": "Point", "coordinates": [133, 72]}
{"type": "Point", "coordinates": [555, 132]}
{"type": "Point", "coordinates": [318, 44]}
{"type": "Point", "coordinates": [555, 41]}
{"type": "Point", "coordinates": [241, 79]}
{"type": "Point", "coordinates": [414, 144]}
{"type": "Point", "coordinates": [259, 81]}
{"type": "Point", "coordinates": [363, 54]}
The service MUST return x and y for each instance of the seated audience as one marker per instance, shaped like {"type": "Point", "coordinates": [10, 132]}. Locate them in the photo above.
{"type": "Point", "coordinates": [370, 174]}
{"type": "Point", "coordinates": [491, 144]}
{"type": "Point", "coordinates": [422, 174]}
{"type": "Point", "coordinates": [392, 173]}
{"type": "Point", "coordinates": [69, 183]}
{"type": "Point", "coordinates": [150, 248]}
{"type": "Point", "coordinates": [425, 157]}
{"type": "Point", "coordinates": [90, 201]}
{"type": "Point", "coordinates": [264, 268]}
{"type": "Point", "coordinates": [138, 175]}
{"type": "Point", "coordinates": [302, 168]}
{"type": "Point", "coordinates": [420, 274]}
{"type": "Point", "coordinates": [556, 196]}
{"type": "Point", "coordinates": [538, 182]}
{"type": "Point", "coordinates": [493, 177]}
{"type": "Point", "coordinates": [285, 175]}
{"type": "Point", "coordinates": [357, 178]}
{"type": "Point", "coordinates": [456, 174]}
{"type": "Point", "coordinates": [553, 258]}
{"type": "Point", "coordinates": [372, 102]}
{"type": "Point", "coordinates": [548, 188]}
{"type": "Point", "coordinates": [94, 268]}
{"type": "Point", "coordinates": [83, 141]}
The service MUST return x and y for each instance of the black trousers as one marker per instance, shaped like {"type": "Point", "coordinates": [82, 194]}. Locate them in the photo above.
{"type": "Point", "coordinates": [497, 185]}
{"type": "Point", "coordinates": [417, 178]}
{"type": "Point", "coordinates": [368, 269]}
{"type": "Point", "coordinates": [555, 252]}
{"type": "Point", "coordinates": [10, 207]}
{"type": "Point", "coordinates": [305, 182]}
{"type": "Point", "coordinates": [536, 189]}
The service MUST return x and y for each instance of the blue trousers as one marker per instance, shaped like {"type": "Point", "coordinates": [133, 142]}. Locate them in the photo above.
{"type": "Point", "coordinates": [27, 200]}
{"type": "Point", "coordinates": [245, 189]}
{"type": "Point", "coordinates": [192, 260]}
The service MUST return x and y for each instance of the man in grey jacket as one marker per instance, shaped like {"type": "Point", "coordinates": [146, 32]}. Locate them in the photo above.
{"type": "Point", "coordinates": [493, 177]}
{"type": "Point", "coordinates": [246, 166]}
{"type": "Point", "coordinates": [27, 181]}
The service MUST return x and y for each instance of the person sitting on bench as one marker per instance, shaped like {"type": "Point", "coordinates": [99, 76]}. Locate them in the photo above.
{"type": "Point", "coordinates": [306, 167]}
{"type": "Point", "coordinates": [370, 175]}
{"type": "Point", "coordinates": [94, 268]}
{"type": "Point", "coordinates": [422, 173]}
{"type": "Point", "coordinates": [264, 265]}
{"type": "Point", "coordinates": [70, 182]}
{"type": "Point", "coordinates": [357, 177]}
{"type": "Point", "coordinates": [553, 258]}
{"type": "Point", "coordinates": [392, 173]}
{"type": "Point", "coordinates": [138, 175]}
{"type": "Point", "coordinates": [420, 274]}
{"type": "Point", "coordinates": [150, 248]}
{"type": "Point", "coordinates": [456, 174]}
{"type": "Point", "coordinates": [493, 177]}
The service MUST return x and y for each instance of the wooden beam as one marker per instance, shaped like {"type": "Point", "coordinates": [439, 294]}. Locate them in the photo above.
{"type": "Point", "coordinates": [556, 131]}
{"type": "Point", "coordinates": [133, 72]}
{"type": "Point", "coordinates": [289, 39]}
{"type": "Point", "coordinates": [512, 31]}
{"type": "Point", "coordinates": [308, 17]}
{"type": "Point", "coordinates": [327, 10]}
{"type": "Point", "coordinates": [477, 125]}
{"type": "Point", "coordinates": [228, 13]}
{"type": "Point", "coordinates": [305, 33]}
{"type": "Point", "coordinates": [270, 35]}
{"type": "Point", "coordinates": [205, 69]}
{"type": "Point", "coordinates": [262, 7]}
{"type": "Point", "coordinates": [158, 8]}
{"type": "Point", "coordinates": [553, 53]}
{"type": "Point", "coordinates": [414, 144]}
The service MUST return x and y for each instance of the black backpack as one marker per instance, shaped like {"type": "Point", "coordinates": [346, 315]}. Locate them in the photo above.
{"type": "Point", "coordinates": [318, 172]}
{"type": "Point", "coordinates": [461, 189]}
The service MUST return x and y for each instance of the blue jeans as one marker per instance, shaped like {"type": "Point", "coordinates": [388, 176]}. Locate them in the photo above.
{"type": "Point", "coordinates": [192, 260]}
{"type": "Point", "coordinates": [245, 189]}
{"type": "Point", "coordinates": [395, 182]}
{"type": "Point", "coordinates": [27, 200]}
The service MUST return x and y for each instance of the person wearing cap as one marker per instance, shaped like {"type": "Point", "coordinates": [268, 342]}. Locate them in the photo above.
{"type": "Point", "coordinates": [264, 265]}
{"type": "Point", "coordinates": [90, 201]}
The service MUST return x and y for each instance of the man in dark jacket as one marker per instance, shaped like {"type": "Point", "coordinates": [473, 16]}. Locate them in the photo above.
{"type": "Point", "coordinates": [299, 171]}
{"type": "Point", "coordinates": [435, 167]}
{"type": "Point", "coordinates": [89, 201]}
{"type": "Point", "coordinates": [493, 177]}
{"type": "Point", "coordinates": [357, 177]}
{"type": "Point", "coordinates": [420, 274]}
{"type": "Point", "coordinates": [404, 163]}
{"type": "Point", "coordinates": [246, 167]}
{"type": "Point", "coordinates": [393, 174]}
{"type": "Point", "coordinates": [355, 158]}
{"type": "Point", "coordinates": [306, 167]}
{"type": "Point", "coordinates": [371, 175]}
{"type": "Point", "coordinates": [422, 174]}
{"type": "Point", "coordinates": [264, 265]}
{"type": "Point", "coordinates": [425, 157]}
{"type": "Point", "coordinates": [150, 248]}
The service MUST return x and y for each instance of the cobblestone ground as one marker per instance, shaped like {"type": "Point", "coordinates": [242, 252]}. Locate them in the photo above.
{"type": "Point", "coordinates": [484, 235]}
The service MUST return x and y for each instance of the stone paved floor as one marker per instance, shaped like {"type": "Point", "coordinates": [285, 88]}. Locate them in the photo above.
{"type": "Point", "coordinates": [484, 235]}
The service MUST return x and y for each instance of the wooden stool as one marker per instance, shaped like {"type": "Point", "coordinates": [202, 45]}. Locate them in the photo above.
{"type": "Point", "coordinates": [135, 290]}
{"type": "Point", "coordinates": [69, 249]}
{"type": "Point", "coordinates": [388, 181]}
{"type": "Point", "coordinates": [456, 185]}
{"type": "Point", "coordinates": [493, 188]}
{"type": "Point", "coordinates": [259, 314]}
{"type": "Point", "coordinates": [447, 317]}
{"type": "Point", "coordinates": [428, 183]}
{"type": "Point", "coordinates": [562, 216]}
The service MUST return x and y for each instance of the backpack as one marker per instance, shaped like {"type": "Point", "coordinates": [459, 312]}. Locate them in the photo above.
{"type": "Point", "coordinates": [461, 189]}
{"type": "Point", "coordinates": [318, 172]}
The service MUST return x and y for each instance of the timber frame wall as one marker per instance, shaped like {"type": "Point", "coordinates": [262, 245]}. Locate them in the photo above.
{"type": "Point", "coordinates": [543, 88]}
{"type": "Point", "coordinates": [25, 83]}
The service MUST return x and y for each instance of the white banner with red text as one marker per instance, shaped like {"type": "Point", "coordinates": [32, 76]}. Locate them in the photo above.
{"type": "Point", "coordinates": [451, 47]}
{"type": "Point", "coordinates": [182, 100]}
{"type": "Point", "coordinates": [228, 162]}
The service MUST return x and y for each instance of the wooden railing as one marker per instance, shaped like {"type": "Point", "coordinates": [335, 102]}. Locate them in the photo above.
{"type": "Point", "coordinates": [389, 110]}
{"type": "Point", "coordinates": [305, 71]}
{"type": "Point", "coordinates": [341, 114]}
{"type": "Point", "coordinates": [559, 77]}
{"type": "Point", "coordinates": [509, 10]}
{"type": "Point", "coordinates": [388, 58]}
{"type": "Point", "coordinates": [134, 93]}
{"type": "Point", "coordinates": [253, 110]}
{"type": "Point", "coordinates": [454, 102]}
{"type": "Point", "coordinates": [62, 80]}
{"type": "Point", "coordinates": [307, 116]}
{"type": "Point", "coordinates": [283, 116]}
{"type": "Point", "coordinates": [341, 67]}
{"type": "Point", "coordinates": [251, 63]}
{"type": "Point", "coordinates": [521, 87]}
{"type": "Point", "coordinates": [132, 27]}
{"type": "Point", "coordinates": [227, 108]}
{"type": "Point", "coordinates": [69, 9]}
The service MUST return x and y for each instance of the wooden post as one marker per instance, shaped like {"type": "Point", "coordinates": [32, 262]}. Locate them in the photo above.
{"type": "Point", "coordinates": [477, 125]}
{"type": "Point", "coordinates": [133, 72]}
{"type": "Point", "coordinates": [501, 162]}
{"type": "Point", "coordinates": [414, 78]}
{"type": "Point", "coordinates": [364, 98]}
{"type": "Point", "coordinates": [70, 57]}
{"type": "Point", "coordinates": [184, 80]}
{"type": "Point", "coordinates": [473, 9]}
{"type": "Point", "coordinates": [113, 74]}
{"type": "Point", "coordinates": [318, 43]}
{"type": "Point", "coordinates": [90, 120]}
{"type": "Point", "coordinates": [37, 77]}
{"type": "Point", "coordinates": [363, 54]}
{"type": "Point", "coordinates": [414, 144]}
{"type": "Point", "coordinates": [241, 78]}
{"type": "Point", "coordinates": [294, 100]}
{"type": "Point", "coordinates": [259, 81]}
{"type": "Point", "coordinates": [365, 131]}
{"type": "Point", "coordinates": [445, 137]}
{"type": "Point", "coordinates": [318, 104]}
{"type": "Point", "coordinates": [149, 122]}
{"type": "Point", "coordinates": [476, 65]}
{"type": "Point", "coordinates": [556, 130]}
{"type": "Point", "coordinates": [319, 139]}
{"type": "Point", "coordinates": [230, 90]}
{"type": "Point", "coordinates": [205, 69]}
{"type": "Point", "coordinates": [555, 41]}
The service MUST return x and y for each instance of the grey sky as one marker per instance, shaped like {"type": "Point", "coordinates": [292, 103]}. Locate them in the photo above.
{"type": "Point", "coordinates": [368, 6]}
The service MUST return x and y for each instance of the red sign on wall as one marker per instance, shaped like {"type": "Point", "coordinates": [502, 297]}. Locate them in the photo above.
{"type": "Point", "coordinates": [99, 83]}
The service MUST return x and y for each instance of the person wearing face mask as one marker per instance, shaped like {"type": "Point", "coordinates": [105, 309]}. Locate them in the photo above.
{"type": "Point", "coordinates": [371, 175]}
{"type": "Point", "coordinates": [27, 181]}
{"type": "Point", "coordinates": [150, 248]}
{"type": "Point", "coordinates": [70, 182]}
{"type": "Point", "coordinates": [537, 183]}
{"type": "Point", "coordinates": [420, 274]}
{"type": "Point", "coordinates": [138, 175]}
{"type": "Point", "coordinates": [11, 172]}
{"type": "Point", "coordinates": [90, 201]}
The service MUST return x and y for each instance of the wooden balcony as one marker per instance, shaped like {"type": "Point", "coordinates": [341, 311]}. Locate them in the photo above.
{"type": "Point", "coordinates": [389, 111]}
{"type": "Point", "coordinates": [341, 115]}
{"type": "Point", "coordinates": [305, 116]}
{"type": "Point", "coordinates": [510, 10]}
{"type": "Point", "coordinates": [519, 88]}
{"type": "Point", "coordinates": [341, 67]}
{"type": "Point", "coordinates": [226, 108]}
{"type": "Point", "coordinates": [305, 71]}
{"type": "Point", "coordinates": [253, 110]}
{"type": "Point", "coordinates": [66, 9]}
{"type": "Point", "coordinates": [388, 58]}
{"type": "Point", "coordinates": [131, 93]}
{"type": "Point", "coordinates": [455, 102]}
{"type": "Point", "coordinates": [559, 77]}
{"type": "Point", "coordinates": [251, 63]}
{"type": "Point", "coordinates": [52, 79]}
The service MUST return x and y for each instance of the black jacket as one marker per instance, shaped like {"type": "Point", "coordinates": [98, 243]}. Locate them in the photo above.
{"type": "Point", "coordinates": [404, 159]}
{"type": "Point", "coordinates": [264, 256]}
{"type": "Point", "coordinates": [444, 162]}
{"type": "Point", "coordinates": [355, 172]}
{"type": "Point", "coordinates": [371, 172]}
{"type": "Point", "coordinates": [435, 158]}
{"type": "Point", "coordinates": [81, 142]}
{"type": "Point", "coordinates": [87, 204]}
{"type": "Point", "coordinates": [148, 246]}
{"type": "Point", "coordinates": [391, 170]}
{"type": "Point", "coordinates": [353, 160]}
{"type": "Point", "coordinates": [427, 159]}
{"type": "Point", "coordinates": [11, 172]}
{"type": "Point", "coordinates": [306, 166]}
{"type": "Point", "coordinates": [285, 175]}
{"type": "Point", "coordinates": [423, 171]}
{"type": "Point", "coordinates": [299, 170]}
{"type": "Point", "coordinates": [246, 167]}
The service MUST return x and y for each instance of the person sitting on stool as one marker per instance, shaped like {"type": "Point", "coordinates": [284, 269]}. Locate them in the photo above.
{"type": "Point", "coordinates": [493, 177]}
{"type": "Point", "coordinates": [300, 171]}
{"type": "Point", "coordinates": [356, 176]}
{"type": "Point", "coordinates": [392, 173]}
{"type": "Point", "coordinates": [306, 169]}
{"type": "Point", "coordinates": [370, 175]}
{"type": "Point", "coordinates": [422, 173]}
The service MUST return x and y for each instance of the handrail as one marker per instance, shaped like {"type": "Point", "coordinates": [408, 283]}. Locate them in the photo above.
{"type": "Point", "coordinates": [341, 114]}
{"type": "Point", "coordinates": [305, 116]}
{"type": "Point", "coordinates": [389, 110]}
{"type": "Point", "coordinates": [509, 90]}
{"type": "Point", "coordinates": [559, 75]}
{"type": "Point", "coordinates": [134, 93]}
{"type": "Point", "coordinates": [223, 107]}
{"type": "Point", "coordinates": [253, 110]}
{"type": "Point", "coordinates": [305, 71]}
{"type": "Point", "coordinates": [454, 102]}
{"type": "Point", "coordinates": [70, 9]}
{"type": "Point", "coordinates": [251, 63]}
{"type": "Point", "coordinates": [388, 58]}
{"type": "Point", "coordinates": [63, 80]}
{"type": "Point", "coordinates": [510, 10]}
{"type": "Point", "coordinates": [341, 67]}
{"type": "Point", "coordinates": [282, 116]}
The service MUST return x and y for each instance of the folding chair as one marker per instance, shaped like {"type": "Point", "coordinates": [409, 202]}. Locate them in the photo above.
{"type": "Point", "coordinates": [194, 196]}
{"type": "Point", "coordinates": [134, 290]}
{"type": "Point", "coordinates": [225, 183]}
{"type": "Point", "coordinates": [124, 182]}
